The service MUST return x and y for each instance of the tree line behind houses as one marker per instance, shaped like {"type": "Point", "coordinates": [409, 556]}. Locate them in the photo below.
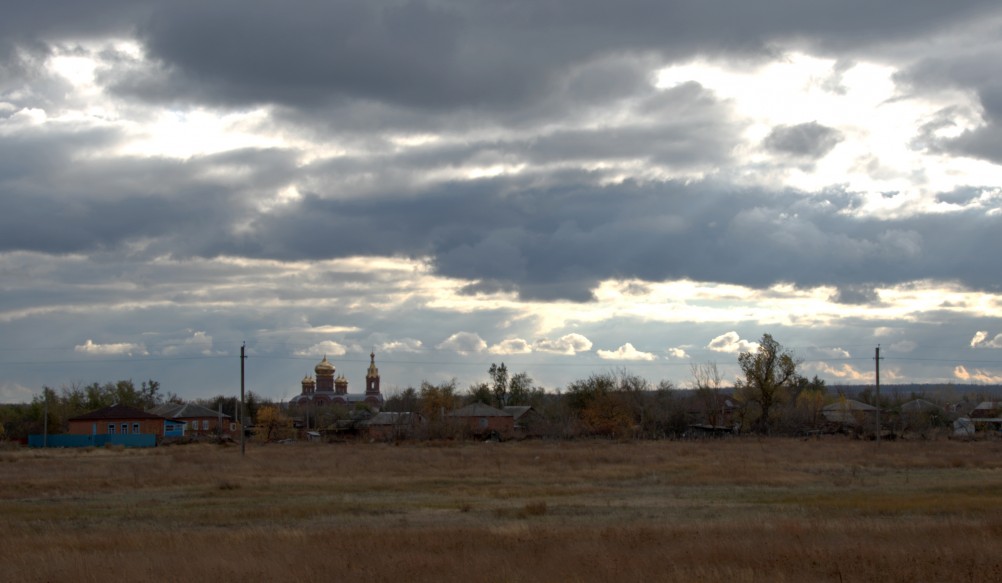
{"type": "Point", "coordinates": [771, 398]}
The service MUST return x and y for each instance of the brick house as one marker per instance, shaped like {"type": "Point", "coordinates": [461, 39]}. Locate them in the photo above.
{"type": "Point", "coordinates": [480, 419]}
{"type": "Point", "coordinates": [123, 420]}
{"type": "Point", "coordinates": [198, 420]}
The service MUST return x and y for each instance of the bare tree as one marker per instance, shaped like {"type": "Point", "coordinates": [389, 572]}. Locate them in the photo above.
{"type": "Point", "coordinates": [706, 382]}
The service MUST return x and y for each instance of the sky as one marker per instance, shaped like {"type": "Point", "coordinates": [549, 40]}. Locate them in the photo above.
{"type": "Point", "coordinates": [569, 187]}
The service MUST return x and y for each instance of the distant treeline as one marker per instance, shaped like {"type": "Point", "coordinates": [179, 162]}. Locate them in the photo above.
{"type": "Point", "coordinates": [931, 391]}
{"type": "Point", "coordinates": [53, 408]}
{"type": "Point", "coordinates": [613, 404]}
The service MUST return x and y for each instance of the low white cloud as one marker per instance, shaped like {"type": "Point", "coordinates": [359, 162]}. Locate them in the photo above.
{"type": "Point", "coordinates": [113, 348]}
{"type": "Point", "coordinates": [15, 393]}
{"type": "Point", "coordinates": [569, 344]}
{"type": "Point", "coordinates": [329, 329]}
{"type": "Point", "coordinates": [835, 352]}
{"type": "Point", "coordinates": [625, 352]}
{"type": "Point", "coordinates": [981, 340]}
{"type": "Point", "coordinates": [511, 346]}
{"type": "Point", "coordinates": [978, 375]}
{"type": "Point", "coordinates": [402, 345]}
{"type": "Point", "coordinates": [199, 343]}
{"type": "Point", "coordinates": [731, 342]}
{"type": "Point", "coordinates": [904, 346]}
{"type": "Point", "coordinates": [844, 371]}
{"type": "Point", "coordinates": [327, 347]}
{"type": "Point", "coordinates": [679, 353]}
{"type": "Point", "coordinates": [464, 343]}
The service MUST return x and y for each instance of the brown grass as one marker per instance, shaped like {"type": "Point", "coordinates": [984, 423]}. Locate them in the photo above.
{"type": "Point", "coordinates": [735, 510]}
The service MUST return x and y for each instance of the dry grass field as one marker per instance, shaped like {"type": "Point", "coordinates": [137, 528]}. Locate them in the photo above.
{"type": "Point", "coordinates": [730, 510]}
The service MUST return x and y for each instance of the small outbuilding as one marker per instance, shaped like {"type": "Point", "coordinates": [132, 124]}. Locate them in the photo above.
{"type": "Point", "coordinates": [987, 415]}
{"type": "Point", "coordinates": [392, 425]}
{"type": "Point", "coordinates": [528, 421]}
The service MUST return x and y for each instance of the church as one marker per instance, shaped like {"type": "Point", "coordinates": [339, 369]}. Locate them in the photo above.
{"type": "Point", "coordinates": [327, 390]}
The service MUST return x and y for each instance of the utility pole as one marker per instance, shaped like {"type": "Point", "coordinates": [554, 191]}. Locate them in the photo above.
{"type": "Point", "coordinates": [45, 421]}
{"type": "Point", "coordinates": [242, 411]}
{"type": "Point", "coordinates": [876, 358]}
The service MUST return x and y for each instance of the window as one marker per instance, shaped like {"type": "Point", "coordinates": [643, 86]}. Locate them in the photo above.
{"type": "Point", "coordinates": [135, 428]}
{"type": "Point", "coordinates": [111, 429]}
{"type": "Point", "coordinates": [205, 424]}
{"type": "Point", "coordinates": [125, 428]}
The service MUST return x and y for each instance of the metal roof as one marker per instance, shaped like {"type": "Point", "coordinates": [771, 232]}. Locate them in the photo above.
{"type": "Point", "coordinates": [185, 411]}
{"type": "Point", "coordinates": [116, 411]}
{"type": "Point", "coordinates": [479, 410]}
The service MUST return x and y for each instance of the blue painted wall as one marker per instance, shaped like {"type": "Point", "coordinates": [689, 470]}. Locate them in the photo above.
{"type": "Point", "coordinates": [99, 440]}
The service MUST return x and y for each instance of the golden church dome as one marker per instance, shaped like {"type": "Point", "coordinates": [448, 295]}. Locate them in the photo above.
{"type": "Point", "coordinates": [324, 367]}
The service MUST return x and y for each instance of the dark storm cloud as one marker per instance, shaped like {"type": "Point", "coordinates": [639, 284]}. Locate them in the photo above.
{"type": "Point", "coordinates": [855, 295]}
{"type": "Point", "coordinates": [559, 243]}
{"type": "Point", "coordinates": [65, 19]}
{"type": "Point", "coordinates": [53, 202]}
{"type": "Point", "coordinates": [807, 140]}
{"type": "Point", "coordinates": [979, 73]}
{"type": "Point", "coordinates": [372, 66]}
{"type": "Point", "coordinates": [960, 196]}
{"type": "Point", "coordinates": [548, 242]}
{"type": "Point", "coordinates": [481, 55]}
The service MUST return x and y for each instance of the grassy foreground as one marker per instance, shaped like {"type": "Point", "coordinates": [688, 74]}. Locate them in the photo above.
{"type": "Point", "coordinates": [734, 510]}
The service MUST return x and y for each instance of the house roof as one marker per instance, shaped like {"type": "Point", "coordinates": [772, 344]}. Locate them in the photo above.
{"type": "Point", "coordinates": [517, 410]}
{"type": "Point", "coordinates": [919, 405]}
{"type": "Point", "coordinates": [849, 405]}
{"type": "Point", "coordinates": [185, 411]}
{"type": "Point", "coordinates": [116, 411]}
{"type": "Point", "coordinates": [479, 410]}
{"type": "Point", "coordinates": [332, 396]}
{"type": "Point", "coordinates": [986, 409]}
{"type": "Point", "coordinates": [393, 418]}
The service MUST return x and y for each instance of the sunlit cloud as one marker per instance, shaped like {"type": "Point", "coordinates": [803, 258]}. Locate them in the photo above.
{"type": "Point", "coordinates": [976, 375]}
{"type": "Point", "coordinates": [843, 371]}
{"type": "Point", "coordinates": [981, 340]}
{"type": "Point", "coordinates": [112, 348]}
{"type": "Point", "coordinates": [402, 345]}
{"type": "Point", "coordinates": [464, 343]}
{"type": "Point", "coordinates": [568, 344]}
{"type": "Point", "coordinates": [731, 342]}
{"type": "Point", "coordinates": [678, 353]}
{"type": "Point", "coordinates": [328, 329]}
{"type": "Point", "coordinates": [625, 352]}
{"type": "Point", "coordinates": [511, 346]}
{"type": "Point", "coordinates": [327, 347]}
